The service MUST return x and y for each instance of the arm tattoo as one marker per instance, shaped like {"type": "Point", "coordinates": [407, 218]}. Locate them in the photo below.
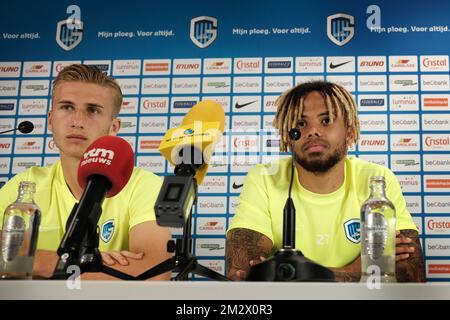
{"type": "Point", "coordinates": [411, 269]}
{"type": "Point", "coordinates": [347, 276]}
{"type": "Point", "coordinates": [244, 245]}
{"type": "Point", "coordinates": [349, 273]}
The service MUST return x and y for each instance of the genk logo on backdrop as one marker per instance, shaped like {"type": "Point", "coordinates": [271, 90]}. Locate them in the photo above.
{"type": "Point", "coordinates": [340, 28]}
{"type": "Point", "coordinates": [69, 32]}
{"type": "Point", "coordinates": [203, 31]}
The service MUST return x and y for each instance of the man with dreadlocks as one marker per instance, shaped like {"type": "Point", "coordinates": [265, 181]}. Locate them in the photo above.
{"type": "Point", "coordinates": [328, 191]}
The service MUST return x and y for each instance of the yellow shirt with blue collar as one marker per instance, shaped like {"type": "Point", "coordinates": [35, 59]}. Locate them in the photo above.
{"type": "Point", "coordinates": [327, 225]}
{"type": "Point", "coordinates": [131, 206]}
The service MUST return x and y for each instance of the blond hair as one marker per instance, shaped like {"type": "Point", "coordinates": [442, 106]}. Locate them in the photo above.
{"type": "Point", "coordinates": [291, 103]}
{"type": "Point", "coordinates": [90, 74]}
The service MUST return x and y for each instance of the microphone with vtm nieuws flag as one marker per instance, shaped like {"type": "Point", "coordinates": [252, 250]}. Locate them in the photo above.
{"type": "Point", "coordinates": [104, 170]}
{"type": "Point", "coordinates": [189, 148]}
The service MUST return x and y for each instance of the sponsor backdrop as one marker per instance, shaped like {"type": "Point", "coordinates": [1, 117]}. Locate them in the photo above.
{"type": "Point", "coordinates": [167, 56]}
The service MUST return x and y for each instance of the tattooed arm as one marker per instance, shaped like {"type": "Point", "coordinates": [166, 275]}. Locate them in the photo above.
{"type": "Point", "coordinates": [409, 266]}
{"type": "Point", "coordinates": [349, 273]}
{"type": "Point", "coordinates": [245, 247]}
{"type": "Point", "coordinates": [409, 261]}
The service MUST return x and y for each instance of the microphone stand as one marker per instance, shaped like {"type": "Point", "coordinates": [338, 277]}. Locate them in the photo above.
{"type": "Point", "coordinates": [79, 246]}
{"type": "Point", "coordinates": [289, 264]}
{"type": "Point", "coordinates": [182, 261]}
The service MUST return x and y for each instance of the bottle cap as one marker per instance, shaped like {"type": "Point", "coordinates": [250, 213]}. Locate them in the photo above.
{"type": "Point", "coordinates": [377, 179]}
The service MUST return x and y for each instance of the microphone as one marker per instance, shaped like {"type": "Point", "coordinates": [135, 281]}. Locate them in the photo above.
{"type": "Point", "coordinates": [289, 208]}
{"type": "Point", "coordinates": [109, 157]}
{"type": "Point", "coordinates": [289, 264]}
{"type": "Point", "coordinates": [188, 147]}
{"type": "Point", "coordinates": [193, 142]}
{"type": "Point", "coordinates": [24, 127]}
{"type": "Point", "coordinates": [104, 170]}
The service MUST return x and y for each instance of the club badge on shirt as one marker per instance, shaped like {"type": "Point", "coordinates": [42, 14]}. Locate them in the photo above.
{"type": "Point", "coordinates": [352, 230]}
{"type": "Point", "coordinates": [107, 230]}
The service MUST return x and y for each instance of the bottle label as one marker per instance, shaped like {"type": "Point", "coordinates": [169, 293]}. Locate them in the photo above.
{"type": "Point", "coordinates": [376, 235]}
{"type": "Point", "coordinates": [12, 237]}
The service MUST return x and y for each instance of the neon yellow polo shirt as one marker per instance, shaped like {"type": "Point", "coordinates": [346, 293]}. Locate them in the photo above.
{"type": "Point", "coordinates": [327, 225]}
{"type": "Point", "coordinates": [133, 205]}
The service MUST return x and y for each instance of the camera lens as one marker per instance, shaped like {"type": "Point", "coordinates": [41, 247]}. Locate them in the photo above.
{"type": "Point", "coordinates": [285, 271]}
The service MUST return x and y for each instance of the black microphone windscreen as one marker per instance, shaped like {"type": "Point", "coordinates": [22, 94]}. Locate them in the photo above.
{"type": "Point", "coordinates": [26, 126]}
{"type": "Point", "coordinates": [294, 134]}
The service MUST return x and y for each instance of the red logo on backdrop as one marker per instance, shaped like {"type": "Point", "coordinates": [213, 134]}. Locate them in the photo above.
{"type": "Point", "coordinates": [51, 144]}
{"type": "Point", "coordinates": [59, 67]}
{"type": "Point", "coordinates": [434, 62]}
{"type": "Point", "coordinates": [247, 65]}
{"type": "Point", "coordinates": [5, 145]}
{"type": "Point", "coordinates": [270, 103]}
{"type": "Point", "coordinates": [245, 143]}
{"type": "Point", "coordinates": [149, 104]}
{"type": "Point", "coordinates": [379, 63]}
{"type": "Point", "coordinates": [150, 144]}
{"type": "Point", "coordinates": [402, 61]}
{"type": "Point", "coordinates": [9, 69]}
{"type": "Point", "coordinates": [429, 141]}
{"type": "Point", "coordinates": [434, 268]}
{"type": "Point", "coordinates": [438, 183]}
{"type": "Point", "coordinates": [188, 66]}
{"type": "Point", "coordinates": [435, 102]}
{"type": "Point", "coordinates": [373, 142]}
{"type": "Point", "coordinates": [211, 224]}
{"type": "Point", "coordinates": [432, 224]}
{"type": "Point", "coordinates": [163, 66]}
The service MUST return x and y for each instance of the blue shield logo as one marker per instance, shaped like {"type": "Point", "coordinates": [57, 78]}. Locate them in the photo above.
{"type": "Point", "coordinates": [107, 230]}
{"type": "Point", "coordinates": [203, 31]}
{"type": "Point", "coordinates": [69, 33]}
{"type": "Point", "coordinates": [340, 28]}
{"type": "Point", "coordinates": [352, 230]}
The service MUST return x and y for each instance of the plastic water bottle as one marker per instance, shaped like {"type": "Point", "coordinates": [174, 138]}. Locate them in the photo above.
{"type": "Point", "coordinates": [20, 232]}
{"type": "Point", "coordinates": [378, 224]}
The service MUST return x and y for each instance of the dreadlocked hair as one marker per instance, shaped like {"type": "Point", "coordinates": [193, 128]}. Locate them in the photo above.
{"type": "Point", "coordinates": [291, 103]}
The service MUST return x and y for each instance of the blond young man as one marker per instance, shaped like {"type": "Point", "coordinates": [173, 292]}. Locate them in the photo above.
{"type": "Point", "coordinates": [328, 191]}
{"type": "Point", "coordinates": [85, 106]}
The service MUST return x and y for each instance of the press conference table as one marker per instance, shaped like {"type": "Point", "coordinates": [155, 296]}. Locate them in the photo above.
{"type": "Point", "coordinates": [110, 290]}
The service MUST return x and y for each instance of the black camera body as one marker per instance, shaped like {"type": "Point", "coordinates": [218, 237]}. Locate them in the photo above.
{"type": "Point", "coordinates": [175, 200]}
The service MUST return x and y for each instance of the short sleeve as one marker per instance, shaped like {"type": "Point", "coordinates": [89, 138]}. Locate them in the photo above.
{"type": "Point", "coordinates": [253, 208]}
{"type": "Point", "coordinates": [145, 190]}
{"type": "Point", "coordinates": [394, 193]}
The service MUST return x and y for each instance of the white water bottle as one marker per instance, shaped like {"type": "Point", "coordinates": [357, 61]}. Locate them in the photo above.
{"type": "Point", "coordinates": [20, 230]}
{"type": "Point", "coordinates": [378, 224]}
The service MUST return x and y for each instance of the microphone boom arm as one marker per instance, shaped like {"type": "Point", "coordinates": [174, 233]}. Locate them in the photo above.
{"type": "Point", "coordinates": [82, 220]}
